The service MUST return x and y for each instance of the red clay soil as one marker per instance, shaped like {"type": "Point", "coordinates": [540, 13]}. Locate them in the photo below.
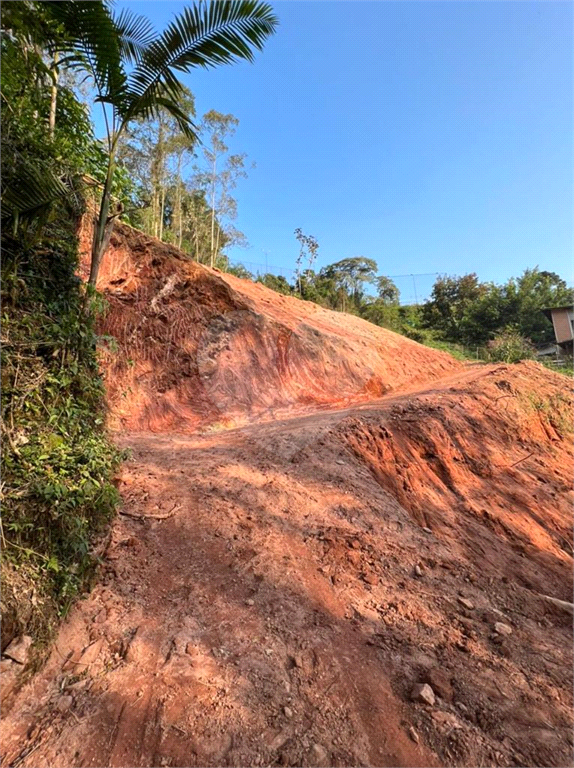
{"type": "Point", "coordinates": [197, 347]}
{"type": "Point", "coordinates": [271, 594]}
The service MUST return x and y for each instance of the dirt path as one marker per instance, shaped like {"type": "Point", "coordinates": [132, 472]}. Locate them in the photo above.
{"type": "Point", "coordinates": [266, 601]}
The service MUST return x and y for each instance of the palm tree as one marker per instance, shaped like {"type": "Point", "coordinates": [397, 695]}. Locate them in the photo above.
{"type": "Point", "coordinates": [135, 70]}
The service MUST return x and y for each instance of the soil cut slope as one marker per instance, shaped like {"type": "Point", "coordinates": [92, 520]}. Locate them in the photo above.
{"type": "Point", "coordinates": [199, 347]}
{"type": "Point", "coordinates": [271, 594]}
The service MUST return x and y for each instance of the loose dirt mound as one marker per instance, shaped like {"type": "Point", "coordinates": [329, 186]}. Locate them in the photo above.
{"type": "Point", "coordinates": [272, 594]}
{"type": "Point", "coordinates": [197, 347]}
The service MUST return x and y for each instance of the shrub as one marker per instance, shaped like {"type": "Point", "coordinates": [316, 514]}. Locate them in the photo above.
{"type": "Point", "coordinates": [510, 347]}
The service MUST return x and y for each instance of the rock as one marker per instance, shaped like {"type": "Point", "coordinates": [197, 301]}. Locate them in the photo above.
{"type": "Point", "coordinates": [19, 649]}
{"type": "Point", "coordinates": [502, 629]}
{"type": "Point", "coordinates": [64, 703]}
{"type": "Point", "coordinates": [427, 530]}
{"type": "Point", "coordinates": [439, 682]}
{"type": "Point", "coordinates": [354, 557]}
{"type": "Point", "coordinates": [250, 602]}
{"type": "Point", "coordinates": [466, 602]}
{"type": "Point", "coordinates": [340, 462]}
{"type": "Point", "coordinates": [287, 711]}
{"type": "Point", "coordinates": [319, 755]}
{"type": "Point", "coordinates": [418, 571]}
{"type": "Point", "coordinates": [413, 735]}
{"type": "Point", "coordinates": [424, 693]}
{"type": "Point", "coordinates": [371, 578]}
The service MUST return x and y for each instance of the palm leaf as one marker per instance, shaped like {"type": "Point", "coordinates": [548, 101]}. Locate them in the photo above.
{"type": "Point", "coordinates": [218, 32]}
{"type": "Point", "coordinates": [91, 40]}
{"type": "Point", "coordinates": [136, 34]}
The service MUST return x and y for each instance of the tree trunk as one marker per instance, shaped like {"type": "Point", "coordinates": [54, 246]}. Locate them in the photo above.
{"type": "Point", "coordinates": [54, 96]}
{"type": "Point", "coordinates": [213, 210]}
{"type": "Point", "coordinates": [161, 213]}
{"type": "Point", "coordinates": [102, 230]}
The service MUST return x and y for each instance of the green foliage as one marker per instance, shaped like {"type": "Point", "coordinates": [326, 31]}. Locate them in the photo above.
{"type": "Point", "coordinates": [240, 271]}
{"type": "Point", "coordinates": [466, 311]}
{"type": "Point", "coordinates": [277, 283]}
{"type": "Point", "coordinates": [57, 462]}
{"type": "Point", "coordinates": [450, 300]}
{"type": "Point", "coordinates": [510, 347]}
{"type": "Point", "coordinates": [135, 71]}
{"type": "Point", "coordinates": [565, 366]}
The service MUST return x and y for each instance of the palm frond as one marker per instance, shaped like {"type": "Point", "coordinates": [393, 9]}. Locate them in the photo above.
{"type": "Point", "coordinates": [206, 34]}
{"type": "Point", "coordinates": [136, 34]}
{"type": "Point", "coordinates": [91, 40]}
{"type": "Point", "coordinates": [30, 192]}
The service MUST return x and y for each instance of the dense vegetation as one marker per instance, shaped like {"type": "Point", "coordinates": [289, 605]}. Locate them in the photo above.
{"type": "Point", "coordinates": [57, 461]}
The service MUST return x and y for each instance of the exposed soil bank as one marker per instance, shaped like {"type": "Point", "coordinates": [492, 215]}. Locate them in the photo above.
{"type": "Point", "coordinates": [196, 347]}
{"type": "Point", "coordinates": [270, 595]}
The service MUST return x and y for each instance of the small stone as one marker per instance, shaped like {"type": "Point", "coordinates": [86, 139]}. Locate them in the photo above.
{"type": "Point", "coordinates": [427, 530]}
{"type": "Point", "coordinates": [371, 578]}
{"type": "Point", "coordinates": [19, 649]}
{"type": "Point", "coordinates": [287, 711]}
{"type": "Point", "coordinates": [319, 755]}
{"type": "Point", "coordinates": [418, 571]}
{"type": "Point", "coordinates": [413, 735]}
{"type": "Point", "coordinates": [354, 557]}
{"type": "Point", "coordinates": [64, 703]}
{"type": "Point", "coordinates": [424, 693]}
{"type": "Point", "coordinates": [250, 602]}
{"type": "Point", "coordinates": [502, 629]}
{"type": "Point", "coordinates": [269, 651]}
{"type": "Point", "coordinates": [339, 461]}
{"type": "Point", "coordinates": [466, 603]}
{"type": "Point", "coordinates": [439, 682]}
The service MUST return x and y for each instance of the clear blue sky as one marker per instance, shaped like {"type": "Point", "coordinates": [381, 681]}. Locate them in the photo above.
{"type": "Point", "coordinates": [429, 136]}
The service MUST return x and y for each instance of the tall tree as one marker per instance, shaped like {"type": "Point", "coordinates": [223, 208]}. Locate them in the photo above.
{"type": "Point", "coordinates": [308, 247]}
{"type": "Point", "coordinates": [135, 70]}
{"type": "Point", "coordinates": [218, 175]}
{"type": "Point", "coordinates": [351, 275]}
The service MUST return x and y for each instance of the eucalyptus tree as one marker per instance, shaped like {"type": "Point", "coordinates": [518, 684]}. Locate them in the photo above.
{"type": "Point", "coordinates": [135, 70]}
{"type": "Point", "coordinates": [218, 175]}
{"type": "Point", "coordinates": [308, 247]}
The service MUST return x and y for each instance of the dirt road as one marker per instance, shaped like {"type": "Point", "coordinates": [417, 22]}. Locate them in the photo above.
{"type": "Point", "coordinates": [269, 597]}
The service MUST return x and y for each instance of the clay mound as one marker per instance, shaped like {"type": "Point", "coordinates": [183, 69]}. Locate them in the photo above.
{"type": "Point", "coordinates": [197, 347]}
{"type": "Point", "coordinates": [486, 463]}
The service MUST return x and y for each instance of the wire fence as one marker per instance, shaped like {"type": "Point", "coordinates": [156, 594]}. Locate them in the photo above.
{"type": "Point", "coordinates": [413, 288]}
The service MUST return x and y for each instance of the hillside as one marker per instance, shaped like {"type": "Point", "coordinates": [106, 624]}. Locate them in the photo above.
{"type": "Point", "coordinates": [376, 517]}
{"type": "Point", "coordinates": [197, 347]}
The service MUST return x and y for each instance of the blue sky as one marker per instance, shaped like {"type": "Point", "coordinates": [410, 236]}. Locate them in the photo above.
{"type": "Point", "coordinates": [429, 136]}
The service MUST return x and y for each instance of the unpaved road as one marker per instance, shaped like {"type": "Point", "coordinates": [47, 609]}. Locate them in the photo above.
{"type": "Point", "coordinates": [259, 605]}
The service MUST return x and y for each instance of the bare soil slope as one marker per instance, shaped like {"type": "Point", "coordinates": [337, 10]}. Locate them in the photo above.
{"type": "Point", "coordinates": [198, 347]}
{"type": "Point", "coordinates": [271, 594]}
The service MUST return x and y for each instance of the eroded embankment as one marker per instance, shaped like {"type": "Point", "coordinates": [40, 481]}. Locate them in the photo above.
{"type": "Point", "coordinates": [196, 347]}
{"type": "Point", "coordinates": [271, 594]}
